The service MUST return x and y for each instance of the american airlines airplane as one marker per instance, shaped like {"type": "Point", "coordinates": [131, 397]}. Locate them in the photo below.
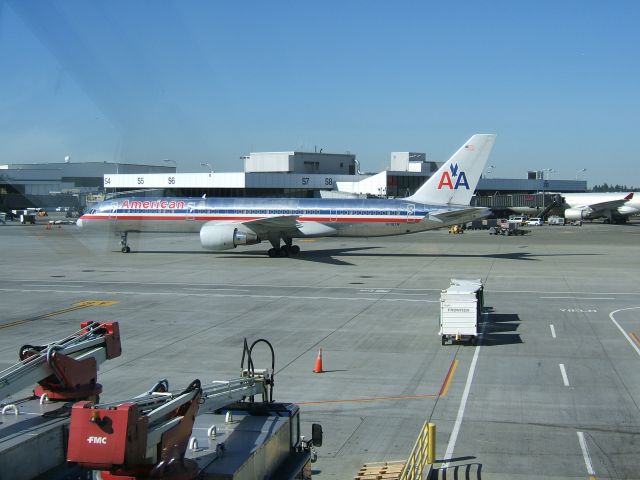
{"type": "Point", "coordinates": [225, 223]}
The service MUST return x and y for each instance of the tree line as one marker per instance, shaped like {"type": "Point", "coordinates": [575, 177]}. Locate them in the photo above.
{"type": "Point", "coordinates": [605, 187]}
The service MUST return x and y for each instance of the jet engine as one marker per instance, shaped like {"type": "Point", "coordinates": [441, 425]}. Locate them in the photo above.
{"type": "Point", "coordinates": [225, 236]}
{"type": "Point", "coordinates": [577, 213]}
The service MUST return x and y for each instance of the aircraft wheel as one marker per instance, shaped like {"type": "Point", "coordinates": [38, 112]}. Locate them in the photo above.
{"type": "Point", "coordinates": [284, 251]}
{"type": "Point", "coordinates": [272, 252]}
{"type": "Point", "coordinates": [125, 250]}
{"type": "Point", "coordinates": [295, 249]}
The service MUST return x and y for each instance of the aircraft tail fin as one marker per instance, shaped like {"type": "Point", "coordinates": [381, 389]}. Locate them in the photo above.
{"type": "Point", "coordinates": [456, 181]}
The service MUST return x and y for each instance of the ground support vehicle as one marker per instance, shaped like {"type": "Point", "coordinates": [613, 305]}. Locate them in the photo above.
{"type": "Point", "coordinates": [460, 310]}
{"type": "Point", "coordinates": [508, 229]}
{"type": "Point", "coordinates": [484, 224]}
{"type": "Point", "coordinates": [229, 429]}
{"type": "Point", "coordinates": [237, 437]}
{"type": "Point", "coordinates": [555, 220]}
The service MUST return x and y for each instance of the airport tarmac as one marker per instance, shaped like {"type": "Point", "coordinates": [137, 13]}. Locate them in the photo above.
{"type": "Point", "coordinates": [551, 391]}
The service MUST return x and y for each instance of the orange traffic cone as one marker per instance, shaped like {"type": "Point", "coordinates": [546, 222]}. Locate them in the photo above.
{"type": "Point", "coordinates": [318, 367]}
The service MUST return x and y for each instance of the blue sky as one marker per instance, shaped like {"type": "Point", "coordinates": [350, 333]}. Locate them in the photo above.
{"type": "Point", "coordinates": [208, 81]}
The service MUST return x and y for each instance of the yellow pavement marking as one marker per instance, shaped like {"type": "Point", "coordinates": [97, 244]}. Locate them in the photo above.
{"type": "Point", "coordinates": [76, 306]}
{"type": "Point", "coordinates": [635, 338]}
{"type": "Point", "coordinates": [447, 380]}
{"type": "Point", "coordinates": [96, 303]}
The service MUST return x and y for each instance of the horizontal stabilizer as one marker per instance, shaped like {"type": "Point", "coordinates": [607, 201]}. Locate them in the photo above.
{"type": "Point", "coordinates": [451, 217]}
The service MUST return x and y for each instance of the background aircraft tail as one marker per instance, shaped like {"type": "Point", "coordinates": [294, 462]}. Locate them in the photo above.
{"type": "Point", "coordinates": [456, 180]}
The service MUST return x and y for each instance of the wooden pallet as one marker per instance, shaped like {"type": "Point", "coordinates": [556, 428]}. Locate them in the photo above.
{"type": "Point", "coordinates": [380, 471]}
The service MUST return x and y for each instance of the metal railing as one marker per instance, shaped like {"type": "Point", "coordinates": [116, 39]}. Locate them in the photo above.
{"type": "Point", "coordinates": [423, 453]}
{"type": "Point", "coordinates": [416, 467]}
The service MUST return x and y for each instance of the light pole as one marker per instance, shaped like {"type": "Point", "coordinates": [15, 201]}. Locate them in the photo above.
{"type": "Point", "coordinates": [582, 170]}
{"type": "Point", "coordinates": [171, 160]}
{"type": "Point", "coordinates": [205, 164]}
{"type": "Point", "coordinates": [544, 185]}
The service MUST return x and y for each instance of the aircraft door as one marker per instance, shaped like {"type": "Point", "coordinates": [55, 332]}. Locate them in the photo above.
{"type": "Point", "coordinates": [190, 212]}
{"type": "Point", "coordinates": [411, 213]}
{"type": "Point", "coordinates": [113, 211]}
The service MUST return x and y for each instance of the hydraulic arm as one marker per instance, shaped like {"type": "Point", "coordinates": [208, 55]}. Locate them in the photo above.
{"type": "Point", "coordinates": [147, 436]}
{"type": "Point", "coordinates": [65, 369]}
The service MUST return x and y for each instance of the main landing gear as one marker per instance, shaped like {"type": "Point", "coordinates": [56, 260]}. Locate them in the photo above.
{"type": "Point", "coordinates": [282, 251]}
{"type": "Point", "coordinates": [123, 243]}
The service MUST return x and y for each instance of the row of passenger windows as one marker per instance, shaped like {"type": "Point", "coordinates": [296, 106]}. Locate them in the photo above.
{"type": "Point", "coordinates": [266, 212]}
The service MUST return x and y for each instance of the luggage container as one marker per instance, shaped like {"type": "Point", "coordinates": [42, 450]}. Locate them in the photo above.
{"type": "Point", "coordinates": [460, 309]}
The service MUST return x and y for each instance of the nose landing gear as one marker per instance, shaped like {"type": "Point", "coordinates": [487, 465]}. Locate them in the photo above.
{"type": "Point", "coordinates": [123, 243]}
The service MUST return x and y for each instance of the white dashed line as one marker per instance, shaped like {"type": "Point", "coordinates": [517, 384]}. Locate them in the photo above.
{"type": "Point", "coordinates": [565, 379]}
{"type": "Point", "coordinates": [553, 331]}
{"type": "Point", "coordinates": [585, 454]}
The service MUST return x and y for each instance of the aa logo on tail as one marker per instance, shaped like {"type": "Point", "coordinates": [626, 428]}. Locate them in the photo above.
{"type": "Point", "coordinates": [447, 180]}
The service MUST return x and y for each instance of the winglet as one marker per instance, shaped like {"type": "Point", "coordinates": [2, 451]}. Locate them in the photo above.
{"type": "Point", "coordinates": [456, 181]}
{"type": "Point", "coordinates": [629, 197]}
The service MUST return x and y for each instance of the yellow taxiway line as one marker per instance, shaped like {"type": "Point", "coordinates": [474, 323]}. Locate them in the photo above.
{"type": "Point", "coordinates": [447, 380]}
{"type": "Point", "coordinates": [73, 308]}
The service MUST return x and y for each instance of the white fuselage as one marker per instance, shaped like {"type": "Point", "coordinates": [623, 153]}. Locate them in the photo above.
{"type": "Point", "coordinates": [630, 207]}
{"type": "Point", "coordinates": [316, 217]}
{"type": "Point", "coordinates": [580, 200]}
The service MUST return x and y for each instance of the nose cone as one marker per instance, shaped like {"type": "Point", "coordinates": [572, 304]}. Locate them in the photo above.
{"type": "Point", "coordinates": [79, 222]}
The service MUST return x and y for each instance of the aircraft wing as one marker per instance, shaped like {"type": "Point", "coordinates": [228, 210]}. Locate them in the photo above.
{"type": "Point", "coordinates": [282, 223]}
{"type": "Point", "coordinates": [458, 216]}
{"type": "Point", "coordinates": [609, 205]}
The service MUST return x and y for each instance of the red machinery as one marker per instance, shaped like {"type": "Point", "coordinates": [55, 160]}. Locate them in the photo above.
{"type": "Point", "coordinates": [65, 369]}
{"type": "Point", "coordinates": [147, 436]}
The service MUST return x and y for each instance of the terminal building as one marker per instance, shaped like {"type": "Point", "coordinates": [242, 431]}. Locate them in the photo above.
{"type": "Point", "coordinates": [63, 184]}
{"type": "Point", "coordinates": [266, 174]}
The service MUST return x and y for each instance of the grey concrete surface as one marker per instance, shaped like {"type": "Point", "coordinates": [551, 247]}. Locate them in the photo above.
{"type": "Point", "coordinates": [371, 304]}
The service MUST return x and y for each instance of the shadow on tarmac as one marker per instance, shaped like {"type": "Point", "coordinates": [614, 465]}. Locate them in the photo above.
{"type": "Point", "coordinates": [469, 471]}
{"type": "Point", "coordinates": [497, 327]}
{"type": "Point", "coordinates": [327, 256]}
